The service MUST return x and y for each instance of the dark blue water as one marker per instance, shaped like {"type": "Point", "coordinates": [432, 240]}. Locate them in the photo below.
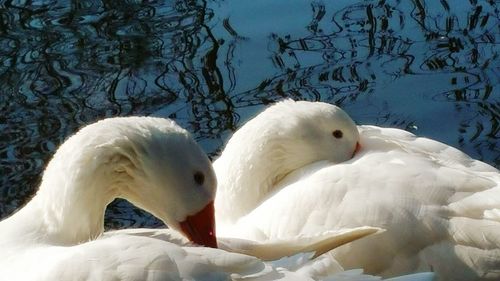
{"type": "Point", "coordinates": [430, 67]}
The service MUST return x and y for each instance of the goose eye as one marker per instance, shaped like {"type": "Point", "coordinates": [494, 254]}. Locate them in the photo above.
{"type": "Point", "coordinates": [337, 134]}
{"type": "Point", "coordinates": [199, 178]}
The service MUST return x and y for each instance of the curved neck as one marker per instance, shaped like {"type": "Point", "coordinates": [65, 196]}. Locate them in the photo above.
{"type": "Point", "coordinates": [248, 172]}
{"type": "Point", "coordinates": [242, 187]}
{"type": "Point", "coordinates": [70, 204]}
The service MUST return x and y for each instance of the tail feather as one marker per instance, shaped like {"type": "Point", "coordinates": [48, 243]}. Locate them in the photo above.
{"type": "Point", "coordinates": [278, 248]}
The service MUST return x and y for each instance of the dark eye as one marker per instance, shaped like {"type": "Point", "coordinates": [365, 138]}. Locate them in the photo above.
{"type": "Point", "coordinates": [337, 134]}
{"type": "Point", "coordinates": [199, 178]}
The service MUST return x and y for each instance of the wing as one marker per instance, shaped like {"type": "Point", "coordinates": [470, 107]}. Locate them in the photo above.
{"type": "Point", "coordinates": [130, 258]}
{"type": "Point", "coordinates": [268, 250]}
{"type": "Point", "coordinates": [275, 249]}
{"type": "Point", "coordinates": [439, 207]}
{"type": "Point", "coordinates": [289, 259]}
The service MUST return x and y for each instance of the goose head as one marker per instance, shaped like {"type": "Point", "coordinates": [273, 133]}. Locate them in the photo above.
{"type": "Point", "coordinates": [151, 162]}
{"type": "Point", "coordinates": [309, 132]}
{"type": "Point", "coordinates": [284, 137]}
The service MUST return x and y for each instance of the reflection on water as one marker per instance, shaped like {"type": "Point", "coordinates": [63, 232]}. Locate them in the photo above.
{"type": "Point", "coordinates": [431, 67]}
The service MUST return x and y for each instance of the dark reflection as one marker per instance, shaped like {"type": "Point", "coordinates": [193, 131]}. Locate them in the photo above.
{"type": "Point", "coordinates": [66, 65]}
{"type": "Point", "coordinates": [372, 47]}
{"type": "Point", "coordinates": [430, 67]}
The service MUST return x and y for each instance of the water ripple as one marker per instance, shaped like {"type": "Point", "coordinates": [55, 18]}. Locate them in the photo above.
{"type": "Point", "coordinates": [210, 65]}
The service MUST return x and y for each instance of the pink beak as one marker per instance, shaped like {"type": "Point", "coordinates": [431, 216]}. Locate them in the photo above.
{"type": "Point", "coordinates": [200, 227]}
{"type": "Point", "coordinates": [357, 149]}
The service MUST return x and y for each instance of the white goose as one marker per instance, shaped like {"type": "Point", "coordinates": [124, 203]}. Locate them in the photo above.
{"type": "Point", "coordinates": [156, 165]}
{"type": "Point", "coordinates": [291, 171]}
{"type": "Point", "coordinates": [151, 162]}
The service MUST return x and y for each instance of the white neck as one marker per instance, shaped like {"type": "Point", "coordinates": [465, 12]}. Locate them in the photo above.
{"type": "Point", "coordinates": [70, 204]}
{"type": "Point", "coordinates": [239, 191]}
{"type": "Point", "coordinates": [251, 165]}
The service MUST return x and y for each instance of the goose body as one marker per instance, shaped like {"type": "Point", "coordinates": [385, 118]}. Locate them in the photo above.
{"type": "Point", "coordinates": [440, 208]}
{"type": "Point", "coordinates": [156, 165]}
{"type": "Point", "coordinates": [151, 162]}
{"type": "Point", "coordinates": [126, 257]}
{"type": "Point", "coordinates": [285, 259]}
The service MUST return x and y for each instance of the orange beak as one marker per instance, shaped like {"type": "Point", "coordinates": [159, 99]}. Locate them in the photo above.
{"type": "Point", "coordinates": [200, 227]}
{"type": "Point", "coordinates": [357, 149]}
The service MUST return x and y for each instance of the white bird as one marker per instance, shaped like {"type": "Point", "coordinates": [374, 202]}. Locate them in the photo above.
{"type": "Point", "coordinates": [287, 259]}
{"type": "Point", "coordinates": [290, 171]}
{"type": "Point", "coordinates": [157, 166]}
{"type": "Point", "coordinates": [151, 162]}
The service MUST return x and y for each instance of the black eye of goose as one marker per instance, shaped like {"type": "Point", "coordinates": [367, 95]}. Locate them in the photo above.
{"type": "Point", "coordinates": [199, 178]}
{"type": "Point", "coordinates": [337, 134]}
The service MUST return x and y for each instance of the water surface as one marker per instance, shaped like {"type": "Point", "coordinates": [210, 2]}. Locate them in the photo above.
{"type": "Point", "coordinates": [430, 67]}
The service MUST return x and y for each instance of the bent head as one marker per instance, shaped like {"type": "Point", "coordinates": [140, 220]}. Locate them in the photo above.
{"type": "Point", "coordinates": [324, 131]}
{"type": "Point", "coordinates": [312, 131]}
{"type": "Point", "coordinates": [286, 136]}
{"type": "Point", "coordinates": [157, 166]}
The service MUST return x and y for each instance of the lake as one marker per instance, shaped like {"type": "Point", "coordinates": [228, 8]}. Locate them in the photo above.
{"type": "Point", "coordinates": [429, 67]}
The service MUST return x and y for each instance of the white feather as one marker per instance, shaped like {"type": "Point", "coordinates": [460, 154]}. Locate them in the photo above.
{"type": "Point", "coordinates": [439, 206]}
{"type": "Point", "coordinates": [59, 234]}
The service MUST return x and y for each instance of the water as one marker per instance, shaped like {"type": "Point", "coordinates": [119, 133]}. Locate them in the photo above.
{"type": "Point", "coordinates": [430, 67]}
